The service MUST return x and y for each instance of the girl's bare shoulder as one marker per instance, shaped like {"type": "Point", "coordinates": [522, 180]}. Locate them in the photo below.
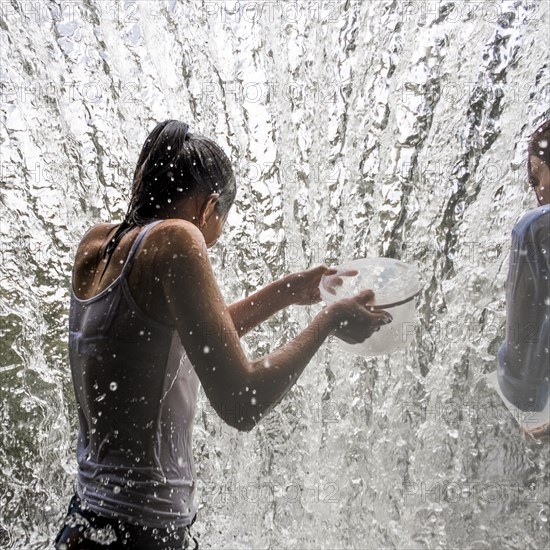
{"type": "Point", "coordinates": [97, 231]}
{"type": "Point", "coordinates": [93, 238]}
{"type": "Point", "coordinates": [176, 235]}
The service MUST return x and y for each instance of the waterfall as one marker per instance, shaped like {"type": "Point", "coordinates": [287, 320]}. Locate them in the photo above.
{"type": "Point", "coordinates": [357, 129]}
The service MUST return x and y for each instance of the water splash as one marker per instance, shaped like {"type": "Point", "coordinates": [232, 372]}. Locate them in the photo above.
{"type": "Point", "coordinates": [357, 129]}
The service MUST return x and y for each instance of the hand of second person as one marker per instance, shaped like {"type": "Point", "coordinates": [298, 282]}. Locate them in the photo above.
{"type": "Point", "coordinates": [304, 285]}
{"type": "Point", "coordinates": [539, 433]}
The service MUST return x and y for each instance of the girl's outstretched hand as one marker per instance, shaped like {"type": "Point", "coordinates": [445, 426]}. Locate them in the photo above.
{"type": "Point", "coordinates": [335, 279]}
{"type": "Point", "coordinates": [304, 285]}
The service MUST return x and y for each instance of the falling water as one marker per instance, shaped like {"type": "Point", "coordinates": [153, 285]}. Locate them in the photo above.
{"type": "Point", "coordinates": [357, 129]}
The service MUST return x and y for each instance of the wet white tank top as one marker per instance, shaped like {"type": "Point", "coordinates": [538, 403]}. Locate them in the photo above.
{"type": "Point", "coordinates": [136, 393]}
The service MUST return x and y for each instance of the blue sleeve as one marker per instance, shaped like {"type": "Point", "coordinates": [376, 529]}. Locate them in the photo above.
{"type": "Point", "coordinates": [524, 356]}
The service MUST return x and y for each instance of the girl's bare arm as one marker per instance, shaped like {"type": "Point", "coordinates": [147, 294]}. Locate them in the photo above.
{"type": "Point", "coordinates": [240, 390]}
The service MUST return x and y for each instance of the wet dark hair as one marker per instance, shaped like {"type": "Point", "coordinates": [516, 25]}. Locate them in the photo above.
{"type": "Point", "coordinates": [173, 164]}
{"type": "Point", "coordinates": [539, 146]}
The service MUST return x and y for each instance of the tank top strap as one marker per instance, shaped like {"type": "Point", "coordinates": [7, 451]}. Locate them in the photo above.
{"type": "Point", "coordinates": [135, 246]}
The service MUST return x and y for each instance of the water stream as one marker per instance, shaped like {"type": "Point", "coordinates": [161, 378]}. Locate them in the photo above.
{"type": "Point", "coordinates": [357, 129]}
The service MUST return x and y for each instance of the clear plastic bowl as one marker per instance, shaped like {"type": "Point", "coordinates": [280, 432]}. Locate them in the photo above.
{"type": "Point", "coordinates": [395, 285]}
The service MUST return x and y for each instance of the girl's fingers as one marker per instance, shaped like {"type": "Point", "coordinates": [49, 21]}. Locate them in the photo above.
{"type": "Point", "coordinates": [365, 296]}
{"type": "Point", "coordinates": [333, 282]}
{"type": "Point", "coordinates": [387, 318]}
{"type": "Point", "coordinates": [334, 270]}
{"type": "Point", "coordinates": [381, 317]}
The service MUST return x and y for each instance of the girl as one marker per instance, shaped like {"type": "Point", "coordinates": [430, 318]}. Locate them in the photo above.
{"type": "Point", "coordinates": [148, 323]}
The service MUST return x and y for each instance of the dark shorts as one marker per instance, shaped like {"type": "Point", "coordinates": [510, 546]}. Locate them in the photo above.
{"type": "Point", "coordinates": [84, 529]}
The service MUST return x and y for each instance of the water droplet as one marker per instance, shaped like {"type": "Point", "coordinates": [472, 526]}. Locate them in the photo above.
{"type": "Point", "coordinates": [113, 386]}
{"type": "Point", "coordinates": [206, 349]}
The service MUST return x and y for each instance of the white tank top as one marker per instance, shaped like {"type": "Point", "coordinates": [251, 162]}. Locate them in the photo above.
{"type": "Point", "coordinates": [136, 393]}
